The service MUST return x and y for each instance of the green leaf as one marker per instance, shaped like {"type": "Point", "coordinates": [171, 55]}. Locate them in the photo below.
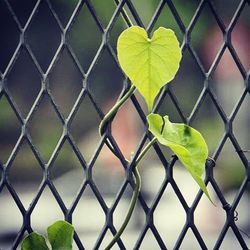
{"type": "Point", "coordinates": [186, 142]}
{"type": "Point", "coordinates": [149, 63]}
{"type": "Point", "coordinates": [34, 241]}
{"type": "Point", "coordinates": [60, 235]}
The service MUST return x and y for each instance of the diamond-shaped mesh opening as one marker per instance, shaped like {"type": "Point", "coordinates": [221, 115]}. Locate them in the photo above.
{"type": "Point", "coordinates": [84, 43]}
{"type": "Point", "coordinates": [227, 76]}
{"type": "Point", "coordinates": [25, 173]}
{"type": "Point", "coordinates": [65, 82]}
{"type": "Point", "coordinates": [169, 217]}
{"type": "Point", "coordinates": [229, 171]}
{"type": "Point", "coordinates": [206, 119]}
{"type": "Point", "coordinates": [84, 128]}
{"type": "Point", "coordinates": [85, 219]}
{"type": "Point", "coordinates": [67, 173]}
{"type": "Point", "coordinates": [187, 87]}
{"type": "Point", "coordinates": [24, 82]}
{"type": "Point", "coordinates": [9, 129]}
{"type": "Point", "coordinates": [46, 121]}
{"type": "Point", "coordinates": [209, 47]}
{"type": "Point", "coordinates": [43, 23]}
{"type": "Point", "coordinates": [9, 36]}
{"type": "Point", "coordinates": [108, 174]}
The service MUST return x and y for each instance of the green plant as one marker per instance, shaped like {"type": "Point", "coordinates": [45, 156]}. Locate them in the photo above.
{"type": "Point", "coordinates": [150, 63]}
{"type": "Point", "coordinates": [60, 236]}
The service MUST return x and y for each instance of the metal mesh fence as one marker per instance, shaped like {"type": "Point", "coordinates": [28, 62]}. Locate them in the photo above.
{"type": "Point", "coordinates": [58, 39]}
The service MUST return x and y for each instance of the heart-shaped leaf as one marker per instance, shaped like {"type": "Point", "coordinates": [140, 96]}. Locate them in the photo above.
{"type": "Point", "coordinates": [60, 235]}
{"type": "Point", "coordinates": [186, 142]}
{"type": "Point", "coordinates": [149, 63]}
{"type": "Point", "coordinates": [34, 241]}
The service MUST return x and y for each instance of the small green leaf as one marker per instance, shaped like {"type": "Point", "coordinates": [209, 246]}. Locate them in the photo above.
{"type": "Point", "coordinates": [149, 63]}
{"type": "Point", "coordinates": [60, 235]}
{"type": "Point", "coordinates": [34, 241]}
{"type": "Point", "coordinates": [186, 142]}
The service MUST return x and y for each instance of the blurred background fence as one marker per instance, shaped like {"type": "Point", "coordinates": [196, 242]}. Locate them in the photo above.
{"type": "Point", "coordinates": [59, 75]}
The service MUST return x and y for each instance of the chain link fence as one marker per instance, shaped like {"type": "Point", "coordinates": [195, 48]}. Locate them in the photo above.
{"type": "Point", "coordinates": [59, 75]}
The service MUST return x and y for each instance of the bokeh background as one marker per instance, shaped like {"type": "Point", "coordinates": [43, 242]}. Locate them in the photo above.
{"type": "Point", "coordinates": [104, 84]}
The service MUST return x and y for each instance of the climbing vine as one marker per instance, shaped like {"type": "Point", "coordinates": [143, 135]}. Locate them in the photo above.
{"type": "Point", "coordinates": [149, 63]}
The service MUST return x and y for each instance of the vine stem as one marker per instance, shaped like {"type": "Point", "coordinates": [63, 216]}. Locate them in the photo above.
{"type": "Point", "coordinates": [110, 115]}
{"type": "Point", "coordinates": [103, 125]}
{"type": "Point", "coordinates": [135, 194]}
